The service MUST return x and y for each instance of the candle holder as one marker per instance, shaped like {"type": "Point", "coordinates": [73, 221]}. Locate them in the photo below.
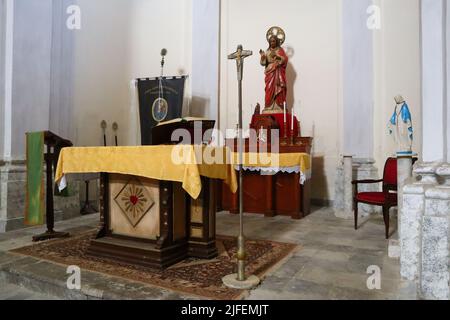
{"type": "Point", "coordinates": [291, 141]}
{"type": "Point", "coordinates": [291, 138]}
{"type": "Point", "coordinates": [298, 141]}
{"type": "Point", "coordinates": [284, 139]}
{"type": "Point", "coordinates": [291, 131]}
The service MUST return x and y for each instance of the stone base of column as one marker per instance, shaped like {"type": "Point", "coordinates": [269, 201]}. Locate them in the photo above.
{"type": "Point", "coordinates": [425, 225]}
{"type": "Point", "coordinates": [394, 248]}
{"type": "Point", "coordinates": [13, 194]}
{"type": "Point", "coordinates": [435, 251]}
{"type": "Point", "coordinates": [435, 276]}
{"type": "Point", "coordinates": [363, 168]}
{"type": "Point", "coordinates": [413, 204]}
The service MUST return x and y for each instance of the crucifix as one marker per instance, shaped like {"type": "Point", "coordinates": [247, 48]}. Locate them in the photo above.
{"type": "Point", "coordinates": [239, 280]}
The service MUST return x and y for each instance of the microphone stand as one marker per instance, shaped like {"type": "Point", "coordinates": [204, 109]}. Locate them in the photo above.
{"type": "Point", "coordinates": [162, 66]}
{"type": "Point", "coordinates": [160, 84]}
{"type": "Point", "coordinates": [115, 128]}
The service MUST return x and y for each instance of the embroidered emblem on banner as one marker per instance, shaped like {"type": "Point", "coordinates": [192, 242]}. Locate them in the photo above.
{"type": "Point", "coordinates": [160, 109]}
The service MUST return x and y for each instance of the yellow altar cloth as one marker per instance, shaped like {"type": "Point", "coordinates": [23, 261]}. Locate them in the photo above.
{"type": "Point", "coordinates": [275, 160]}
{"type": "Point", "coordinates": [169, 163]}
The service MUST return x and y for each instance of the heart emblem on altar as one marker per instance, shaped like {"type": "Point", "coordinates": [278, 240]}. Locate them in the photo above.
{"type": "Point", "coordinates": [134, 201]}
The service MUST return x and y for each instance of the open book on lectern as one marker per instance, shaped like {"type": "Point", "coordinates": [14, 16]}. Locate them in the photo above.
{"type": "Point", "coordinates": [191, 131]}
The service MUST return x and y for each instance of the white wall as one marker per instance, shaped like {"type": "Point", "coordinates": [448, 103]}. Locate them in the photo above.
{"type": "Point", "coordinates": [448, 80]}
{"type": "Point", "coordinates": [62, 72]}
{"type": "Point", "coordinates": [120, 41]}
{"type": "Point", "coordinates": [314, 43]}
{"type": "Point", "coordinates": [205, 58]}
{"type": "Point", "coordinates": [315, 33]}
{"type": "Point", "coordinates": [31, 70]}
{"type": "Point", "coordinates": [2, 73]}
{"type": "Point", "coordinates": [101, 62]}
{"type": "Point", "coordinates": [433, 79]}
{"type": "Point", "coordinates": [35, 72]}
{"type": "Point", "coordinates": [397, 70]}
{"type": "Point", "coordinates": [357, 70]}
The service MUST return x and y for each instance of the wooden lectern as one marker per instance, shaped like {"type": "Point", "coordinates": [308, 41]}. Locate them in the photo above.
{"type": "Point", "coordinates": [55, 143]}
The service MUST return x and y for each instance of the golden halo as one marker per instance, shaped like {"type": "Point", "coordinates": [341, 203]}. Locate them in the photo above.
{"type": "Point", "coordinates": [277, 32]}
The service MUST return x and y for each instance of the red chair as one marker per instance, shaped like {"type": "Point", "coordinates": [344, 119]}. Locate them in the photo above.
{"type": "Point", "coordinates": [386, 199]}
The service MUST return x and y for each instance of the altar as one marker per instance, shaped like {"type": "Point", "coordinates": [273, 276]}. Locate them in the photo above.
{"type": "Point", "coordinates": [154, 209]}
{"type": "Point", "coordinates": [281, 185]}
{"type": "Point", "coordinates": [284, 189]}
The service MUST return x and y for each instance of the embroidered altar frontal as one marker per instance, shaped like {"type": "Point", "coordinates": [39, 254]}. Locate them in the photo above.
{"type": "Point", "coordinates": [155, 210]}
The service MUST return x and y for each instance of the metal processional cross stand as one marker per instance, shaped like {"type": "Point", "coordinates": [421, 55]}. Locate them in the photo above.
{"type": "Point", "coordinates": [239, 280]}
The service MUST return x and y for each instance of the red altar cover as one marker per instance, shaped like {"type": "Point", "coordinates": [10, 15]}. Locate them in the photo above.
{"type": "Point", "coordinates": [279, 117]}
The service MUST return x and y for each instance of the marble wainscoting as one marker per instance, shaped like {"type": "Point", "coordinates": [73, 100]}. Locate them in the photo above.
{"type": "Point", "coordinates": [425, 225]}
{"type": "Point", "coordinates": [13, 197]}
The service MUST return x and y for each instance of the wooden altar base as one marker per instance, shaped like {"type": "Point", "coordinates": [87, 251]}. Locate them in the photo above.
{"type": "Point", "coordinates": [172, 228]}
{"type": "Point", "coordinates": [202, 250]}
{"type": "Point", "coordinates": [137, 252]}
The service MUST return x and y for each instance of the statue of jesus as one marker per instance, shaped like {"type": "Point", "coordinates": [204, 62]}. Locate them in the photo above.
{"type": "Point", "coordinates": [275, 62]}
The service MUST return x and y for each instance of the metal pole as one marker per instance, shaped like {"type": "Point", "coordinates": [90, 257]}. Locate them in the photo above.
{"type": "Point", "coordinates": [50, 218]}
{"type": "Point", "coordinates": [239, 280]}
{"type": "Point", "coordinates": [241, 239]}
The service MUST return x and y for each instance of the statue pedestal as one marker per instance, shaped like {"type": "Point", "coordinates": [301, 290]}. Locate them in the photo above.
{"type": "Point", "coordinates": [275, 121]}
{"type": "Point", "coordinates": [404, 173]}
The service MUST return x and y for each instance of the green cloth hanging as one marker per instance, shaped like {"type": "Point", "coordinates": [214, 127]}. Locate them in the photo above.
{"type": "Point", "coordinates": [35, 205]}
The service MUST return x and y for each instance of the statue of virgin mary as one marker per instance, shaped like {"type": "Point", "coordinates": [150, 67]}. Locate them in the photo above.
{"type": "Point", "coordinates": [400, 126]}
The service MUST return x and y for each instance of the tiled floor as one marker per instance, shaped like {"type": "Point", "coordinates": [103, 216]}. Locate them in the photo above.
{"type": "Point", "coordinates": [13, 292]}
{"type": "Point", "coordinates": [331, 262]}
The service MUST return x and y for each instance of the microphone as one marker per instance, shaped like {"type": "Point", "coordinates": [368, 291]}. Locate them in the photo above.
{"type": "Point", "coordinates": [163, 54]}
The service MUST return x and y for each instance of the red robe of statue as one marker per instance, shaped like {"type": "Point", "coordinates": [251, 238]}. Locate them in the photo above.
{"type": "Point", "coordinates": [276, 88]}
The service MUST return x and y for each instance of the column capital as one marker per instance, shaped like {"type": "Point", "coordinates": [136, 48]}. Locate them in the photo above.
{"type": "Point", "coordinates": [444, 172]}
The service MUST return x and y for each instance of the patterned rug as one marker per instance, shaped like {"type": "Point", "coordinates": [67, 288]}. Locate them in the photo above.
{"type": "Point", "coordinates": [202, 278]}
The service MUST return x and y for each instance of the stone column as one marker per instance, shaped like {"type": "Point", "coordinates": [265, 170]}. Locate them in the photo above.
{"type": "Point", "coordinates": [357, 56]}
{"type": "Point", "coordinates": [413, 208]}
{"type": "Point", "coordinates": [346, 209]}
{"type": "Point", "coordinates": [447, 31]}
{"type": "Point", "coordinates": [435, 277]}
{"type": "Point", "coordinates": [362, 169]}
{"type": "Point", "coordinates": [348, 178]}
{"type": "Point", "coordinates": [433, 28]}
{"type": "Point", "coordinates": [357, 130]}
{"type": "Point", "coordinates": [205, 59]}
